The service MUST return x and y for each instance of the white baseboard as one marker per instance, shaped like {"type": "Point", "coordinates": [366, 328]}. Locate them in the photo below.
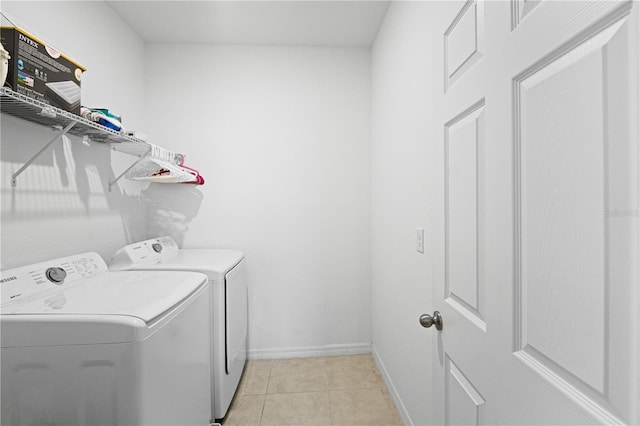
{"type": "Point", "coordinates": [328, 350]}
{"type": "Point", "coordinates": [402, 410]}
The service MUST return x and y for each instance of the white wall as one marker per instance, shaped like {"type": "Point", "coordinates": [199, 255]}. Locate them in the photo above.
{"type": "Point", "coordinates": [315, 168]}
{"type": "Point", "coordinates": [406, 85]}
{"type": "Point", "coordinates": [61, 205]}
{"type": "Point", "coordinates": [282, 137]}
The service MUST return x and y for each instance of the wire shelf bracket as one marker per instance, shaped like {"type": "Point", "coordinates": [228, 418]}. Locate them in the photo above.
{"type": "Point", "coordinates": [141, 157]}
{"type": "Point", "coordinates": [62, 132]}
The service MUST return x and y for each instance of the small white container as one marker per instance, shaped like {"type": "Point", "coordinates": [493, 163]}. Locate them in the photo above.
{"type": "Point", "coordinates": [4, 64]}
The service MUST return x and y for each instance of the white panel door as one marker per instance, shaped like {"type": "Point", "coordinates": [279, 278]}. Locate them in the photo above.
{"type": "Point", "coordinates": [536, 268]}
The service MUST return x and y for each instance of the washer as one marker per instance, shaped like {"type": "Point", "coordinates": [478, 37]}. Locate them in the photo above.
{"type": "Point", "coordinates": [85, 346]}
{"type": "Point", "coordinates": [227, 277]}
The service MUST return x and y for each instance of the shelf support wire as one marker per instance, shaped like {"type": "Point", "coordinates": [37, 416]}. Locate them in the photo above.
{"type": "Point", "coordinates": [142, 157]}
{"type": "Point", "coordinates": [18, 172]}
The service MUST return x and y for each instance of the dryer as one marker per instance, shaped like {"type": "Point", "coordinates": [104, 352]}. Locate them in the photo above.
{"type": "Point", "coordinates": [84, 346]}
{"type": "Point", "coordinates": [227, 278]}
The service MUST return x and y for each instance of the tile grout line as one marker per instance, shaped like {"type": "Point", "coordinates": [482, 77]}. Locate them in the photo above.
{"type": "Point", "coordinates": [326, 376]}
{"type": "Point", "coordinates": [266, 393]}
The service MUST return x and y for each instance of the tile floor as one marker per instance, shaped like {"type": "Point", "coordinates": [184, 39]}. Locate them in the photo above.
{"type": "Point", "coordinates": [341, 390]}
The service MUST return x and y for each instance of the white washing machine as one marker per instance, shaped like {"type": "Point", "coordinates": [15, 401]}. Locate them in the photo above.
{"type": "Point", "coordinates": [85, 346]}
{"type": "Point", "coordinates": [227, 277]}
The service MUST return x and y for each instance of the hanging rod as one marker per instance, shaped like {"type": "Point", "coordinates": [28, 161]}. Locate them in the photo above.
{"type": "Point", "coordinates": [18, 172]}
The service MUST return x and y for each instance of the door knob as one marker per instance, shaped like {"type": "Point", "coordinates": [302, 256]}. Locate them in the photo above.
{"type": "Point", "coordinates": [427, 320]}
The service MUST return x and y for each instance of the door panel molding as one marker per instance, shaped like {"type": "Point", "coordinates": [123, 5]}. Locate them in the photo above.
{"type": "Point", "coordinates": [588, 399]}
{"type": "Point", "coordinates": [464, 41]}
{"type": "Point", "coordinates": [520, 9]}
{"type": "Point", "coordinates": [464, 140]}
{"type": "Point", "coordinates": [562, 232]}
{"type": "Point", "coordinates": [463, 402]}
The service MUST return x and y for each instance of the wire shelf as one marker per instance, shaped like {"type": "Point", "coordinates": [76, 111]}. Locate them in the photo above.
{"type": "Point", "coordinates": [32, 110]}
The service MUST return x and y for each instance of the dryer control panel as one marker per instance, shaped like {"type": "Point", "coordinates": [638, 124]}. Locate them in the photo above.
{"type": "Point", "coordinates": [21, 284]}
{"type": "Point", "coordinates": [145, 252]}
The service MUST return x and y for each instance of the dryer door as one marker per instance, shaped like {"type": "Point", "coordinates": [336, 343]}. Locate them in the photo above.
{"type": "Point", "coordinates": [235, 319]}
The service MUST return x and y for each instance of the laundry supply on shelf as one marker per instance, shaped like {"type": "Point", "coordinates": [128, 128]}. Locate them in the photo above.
{"type": "Point", "coordinates": [102, 116]}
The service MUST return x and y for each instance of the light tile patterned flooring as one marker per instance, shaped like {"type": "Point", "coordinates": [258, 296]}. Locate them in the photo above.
{"type": "Point", "coordinates": [341, 390]}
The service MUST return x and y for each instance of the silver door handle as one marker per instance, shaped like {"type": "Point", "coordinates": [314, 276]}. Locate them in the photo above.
{"type": "Point", "coordinates": [427, 320]}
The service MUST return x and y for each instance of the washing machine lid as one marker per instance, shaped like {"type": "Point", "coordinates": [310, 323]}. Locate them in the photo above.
{"type": "Point", "coordinates": [76, 300]}
{"type": "Point", "coordinates": [145, 295]}
{"type": "Point", "coordinates": [164, 254]}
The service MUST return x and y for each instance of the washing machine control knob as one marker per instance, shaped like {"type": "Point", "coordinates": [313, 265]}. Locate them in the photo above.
{"type": "Point", "coordinates": [56, 275]}
{"type": "Point", "coordinates": [157, 247]}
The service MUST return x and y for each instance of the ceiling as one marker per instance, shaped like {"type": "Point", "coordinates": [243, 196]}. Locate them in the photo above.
{"type": "Point", "coordinates": [303, 22]}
